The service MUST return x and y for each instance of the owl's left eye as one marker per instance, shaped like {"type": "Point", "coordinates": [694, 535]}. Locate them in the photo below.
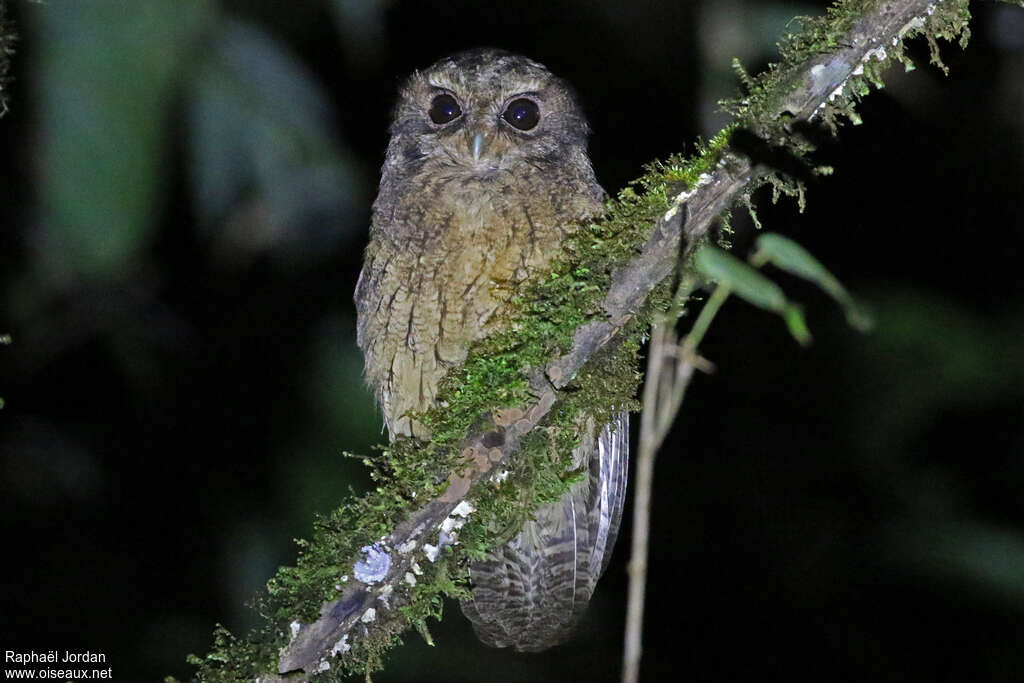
{"type": "Point", "coordinates": [523, 114]}
{"type": "Point", "coordinates": [444, 109]}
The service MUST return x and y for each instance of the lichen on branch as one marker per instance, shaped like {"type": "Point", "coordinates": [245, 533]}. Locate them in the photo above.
{"type": "Point", "coordinates": [507, 419]}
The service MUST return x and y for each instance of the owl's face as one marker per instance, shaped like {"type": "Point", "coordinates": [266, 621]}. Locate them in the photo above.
{"type": "Point", "coordinates": [483, 111]}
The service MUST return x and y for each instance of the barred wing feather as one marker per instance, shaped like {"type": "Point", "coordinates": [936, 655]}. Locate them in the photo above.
{"type": "Point", "coordinates": [529, 594]}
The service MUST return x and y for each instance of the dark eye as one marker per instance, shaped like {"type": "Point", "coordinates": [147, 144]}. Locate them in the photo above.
{"type": "Point", "coordinates": [524, 114]}
{"type": "Point", "coordinates": [444, 108]}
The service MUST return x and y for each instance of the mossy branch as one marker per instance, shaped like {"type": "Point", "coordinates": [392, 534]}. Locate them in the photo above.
{"type": "Point", "coordinates": [506, 419]}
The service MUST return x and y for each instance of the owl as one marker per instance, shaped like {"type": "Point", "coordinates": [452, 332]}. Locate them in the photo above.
{"type": "Point", "coordinates": [485, 174]}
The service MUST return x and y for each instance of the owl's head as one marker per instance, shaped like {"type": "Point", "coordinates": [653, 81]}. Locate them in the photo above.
{"type": "Point", "coordinates": [486, 110]}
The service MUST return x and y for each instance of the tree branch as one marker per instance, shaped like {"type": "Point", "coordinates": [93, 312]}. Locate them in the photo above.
{"type": "Point", "coordinates": [806, 89]}
{"type": "Point", "coordinates": [824, 71]}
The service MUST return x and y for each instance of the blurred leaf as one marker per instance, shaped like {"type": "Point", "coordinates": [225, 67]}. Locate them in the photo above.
{"type": "Point", "coordinates": [45, 465]}
{"type": "Point", "coordinates": [981, 555]}
{"type": "Point", "coordinates": [929, 358]}
{"type": "Point", "coordinates": [968, 354]}
{"type": "Point", "coordinates": [341, 414]}
{"type": "Point", "coordinates": [786, 254]}
{"type": "Point", "coordinates": [750, 285]}
{"type": "Point", "coordinates": [796, 325]}
{"type": "Point", "coordinates": [361, 25]}
{"type": "Point", "coordinates": [104, 78]}
{"type": "Point", "coordinates": [267, 170]}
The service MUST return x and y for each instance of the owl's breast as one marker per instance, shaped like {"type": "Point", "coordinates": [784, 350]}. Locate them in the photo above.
{"type": "Point", "coordinates": [440, 271]}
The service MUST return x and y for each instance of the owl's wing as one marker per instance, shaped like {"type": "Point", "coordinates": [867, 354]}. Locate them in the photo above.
{"type": "Point", "coordinates": [529, 594]}
{"type": "Point", "coordinates": [367, 296]}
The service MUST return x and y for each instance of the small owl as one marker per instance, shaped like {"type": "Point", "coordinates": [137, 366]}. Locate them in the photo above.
{"type": "Point", "coordinates": [485, 175]}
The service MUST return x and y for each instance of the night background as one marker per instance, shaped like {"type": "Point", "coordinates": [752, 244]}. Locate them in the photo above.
{"type": "Point", "coordinates": [185, 189]}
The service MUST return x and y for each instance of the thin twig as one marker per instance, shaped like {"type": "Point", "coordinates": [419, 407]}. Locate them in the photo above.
{"type": "Point", "coordinates": [670, 366]}
{"type": "Point", "coordinates": [642, 508]}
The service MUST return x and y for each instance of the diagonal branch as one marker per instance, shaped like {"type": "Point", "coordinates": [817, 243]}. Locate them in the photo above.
{"type": "Point", "coordinates": [810, 84]}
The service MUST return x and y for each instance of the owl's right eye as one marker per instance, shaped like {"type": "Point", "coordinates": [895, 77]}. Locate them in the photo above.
{"type": "Point", "coordinates": [444, 109]}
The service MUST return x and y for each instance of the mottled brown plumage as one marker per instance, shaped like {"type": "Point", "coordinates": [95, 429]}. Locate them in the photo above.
{"type": "Point", "coordinates": [469, 208]}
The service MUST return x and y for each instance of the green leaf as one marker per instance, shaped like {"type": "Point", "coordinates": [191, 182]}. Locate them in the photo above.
{"type": "Point", "coordinates": [105, 81]}
{"type": "Point", "coordinates": [268, 171]}
{"type": "Point", "coordinates": [794, 318]}
{"type": "Point", "coordinates": [745, 281]}
{"type": "Point", "coordinates": [742, 279]}
{"type": "Point", "coordinates": [786, 254]}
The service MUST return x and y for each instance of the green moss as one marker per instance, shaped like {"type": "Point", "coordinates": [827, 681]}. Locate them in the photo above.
{"type": "Point", "coordinates": [234, 659]}
{"type": "Point", "coordinates": [546, 313]}
{"type": "Point", "coordinates": [765, 96]}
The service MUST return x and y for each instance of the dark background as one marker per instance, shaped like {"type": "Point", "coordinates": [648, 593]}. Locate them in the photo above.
{"type": "Point", "coordinates": [184, 197]}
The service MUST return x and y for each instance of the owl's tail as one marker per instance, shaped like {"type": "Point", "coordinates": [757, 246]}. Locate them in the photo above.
{"type": "Point", "coordinates": [529, 594]}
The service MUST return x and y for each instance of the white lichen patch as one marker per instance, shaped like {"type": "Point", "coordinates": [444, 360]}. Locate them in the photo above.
{"type": "Point", "coordinates": [684, 196]}
{"type": "Point", "coordinates": [410, 578]}
{"type": "Point", "coordinates": [453, 522]}
{"type": "Point", "coordinates": [369, 615]}
{"type": "Point", "coordinates": [341, 647]}
{"type": "Point", "coordinates": [407, 547]}
{"type": "Point", "coordinates": [324, 665]}
{"type": "Point", "coordinates": [449, 530]}
{"type": "Point", "coordinates": [916, 23]}
{"type": "Point", "coordinates": [878, 53]}
{"type": "Point", "coordinates": [431, 551]}
{"type": "Point", "coordinates": [294, 627]}
{"type": "Point", "coordinates": [385, 594]}
{"type": "Point", "coordinates": [374, 566]}
{"type": "Point", "coordinates": [463, 509]}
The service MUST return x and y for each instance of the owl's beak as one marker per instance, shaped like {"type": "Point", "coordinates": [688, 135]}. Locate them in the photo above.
{"type": "Point", "coordinates": [480, 144]}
